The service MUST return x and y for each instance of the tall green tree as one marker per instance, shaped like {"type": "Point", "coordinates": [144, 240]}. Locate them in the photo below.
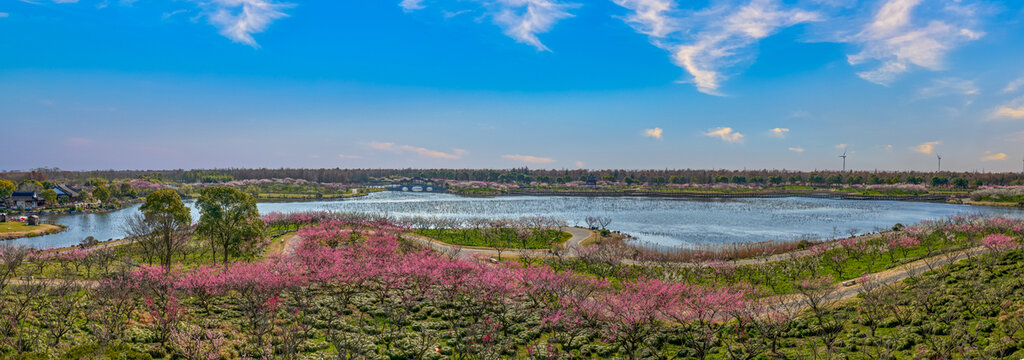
{"type": "Point", "coordinates": [126, 190]}
{"type": "Point", "coordinates": [229, 220]}
{"type": "Point", "coordinates": [101, 193]}
{"type": "Point", "coordinates": [170, 220]}
{"type": "Point", "coordinates": [50, 196]}
{"type": "Point", "coordinates": [6, 188]}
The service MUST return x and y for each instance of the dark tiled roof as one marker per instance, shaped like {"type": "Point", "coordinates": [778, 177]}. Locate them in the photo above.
{"type": "Point", "coordinates": [24, 195]}
{"type": "Point", "coordinates": [66, 190]}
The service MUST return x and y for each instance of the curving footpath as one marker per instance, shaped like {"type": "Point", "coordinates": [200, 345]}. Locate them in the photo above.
{"type": "Point", "coordinates": [840, 292]}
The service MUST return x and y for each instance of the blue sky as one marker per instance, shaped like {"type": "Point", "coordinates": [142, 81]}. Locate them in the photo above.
{"type": "Point", "coordinates": [97, 84]}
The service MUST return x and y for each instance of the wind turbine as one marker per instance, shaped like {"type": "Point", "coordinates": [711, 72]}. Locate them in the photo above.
{"type": "Point", "coordinates": [844, 159]}
{"type": "Point", "coordinates": [940, 161]}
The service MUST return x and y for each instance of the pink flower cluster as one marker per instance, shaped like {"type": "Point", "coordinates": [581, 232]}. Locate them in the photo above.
{"type": "Point", "coordinates": [285, 181]}
{"type": "Point", "coordinates": [478, 184]}
{"type": "Point", "coordinates": [999, 242]}
{"type": "Point", "coordinates": [381, 265]}
{"type": "Point", "coordinates": [145, 184]}
{"type": "Point", "coordinates": [904, 242]}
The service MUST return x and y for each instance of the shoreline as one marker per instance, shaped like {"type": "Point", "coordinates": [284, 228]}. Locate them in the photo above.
{"type": "Point", "coordinates": [724, 195]}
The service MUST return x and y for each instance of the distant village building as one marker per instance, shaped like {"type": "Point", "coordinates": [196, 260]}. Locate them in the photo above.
{"type": "Point", "coordinates": [62, 189]}
{"type": "Point", "coordinates": [24, 200]}
{"type": "Point", "coordinates": [33, 220]}
{"type": "Point", "coordinates": [3, 218]}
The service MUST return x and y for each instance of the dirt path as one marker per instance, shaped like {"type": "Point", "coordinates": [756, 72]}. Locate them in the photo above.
{"type": "Point", "coordinates": [841, 292]}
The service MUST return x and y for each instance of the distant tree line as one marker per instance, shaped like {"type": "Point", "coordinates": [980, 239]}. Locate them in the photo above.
{"type": "Point", "coordinates": [526, 176]}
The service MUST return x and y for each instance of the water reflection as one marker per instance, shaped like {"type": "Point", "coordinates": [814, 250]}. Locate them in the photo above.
{"type": "Point", "coordinates": [662, 222]}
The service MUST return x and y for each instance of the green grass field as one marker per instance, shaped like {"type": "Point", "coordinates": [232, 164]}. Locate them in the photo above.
{"type": "Point", "coordinates": [505, 238]}
{"type": "Point", "coordinates": [18, 227]}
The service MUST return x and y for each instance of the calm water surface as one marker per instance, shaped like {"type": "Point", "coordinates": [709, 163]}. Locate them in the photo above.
{"type": "Point", "coordinates": [658, 221]}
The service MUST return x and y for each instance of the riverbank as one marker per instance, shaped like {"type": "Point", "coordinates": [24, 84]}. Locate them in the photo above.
{"type": "Point", "coordinates": [818, 194]}
{"type": "Point", "coordinates": [991, 203]}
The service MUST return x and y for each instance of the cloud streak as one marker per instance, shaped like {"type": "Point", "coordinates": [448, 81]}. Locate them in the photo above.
{"type": "Point", "coordinates": [897, 44]}
{"type": "Point", "coordinates": [521, 20]}
{"type": "Point", "coordinates": [529, 159]}
{"type": "Point", "coordinates": [948, 87]}
{"type": "Point", "coordinates": [991, 156]}
{"type": "Point", "coordinates": [726, 134]}
{"type": "Point", "coordinates": [926, 147]}
{"type": "Point", "coordinates": [716, 39]}
{"type": "Point", "coordinates": [1014, 85]}
{"type": "Point", "coordinates": [392, 147]}
{"type": "Point", "coordinates": [411, 5]}
{"type": "Point", "coordinates": [238, 20]}
{"type": "Point", "coordinates": [653, 133]}
{"type": "Point", "coordinates": [778, 132]}
{"type": "Point", "coordinates": [1011, 110]}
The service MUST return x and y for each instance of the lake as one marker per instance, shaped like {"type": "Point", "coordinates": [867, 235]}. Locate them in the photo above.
{"type": "Point", "coordinates": [656, 221]}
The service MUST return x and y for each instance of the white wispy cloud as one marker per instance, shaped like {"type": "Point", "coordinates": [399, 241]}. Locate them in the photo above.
{"type": "Point", "coordinates": [390, 146]}
{"type": "Point", "coordinates": [947, 87]}
{"type": "Point", "coordinates": [170, 14]}
{"type": "Point", "coordinates": [897, 43]}
{"type": "Point", "coordinates": [725, 133]}
{"type": "Point", "coordinates": [579, 165]}
{"type": "Point", "coordinates": [455, 154]}
{"type": "Point", "coordinates": [3, 15]}
{"type": "Point", "coordinates": [346, 156]}
{"type": "Point", "coordinates": [411, 5]}
{"type": "Point", "coordinates": [841, 146]}
{"type": "Point", "coordinates": [708, 42]}
{"type": "Point", "coordinates": [654, 133]}
{"type": "Point", "coordinates": [522, 20]}
{"type": "Point", "coordinates": [926, 147]}
{"type": "Point", "coordinates": [1011, 110]}
{"type": "Point", "coordinates": [993, 156]}
{"type": "Point", "coordinates": [529, 159]}
{"type": "Point", "coordinates": [796, 149]}
{"type": "Point", "coordinates": [1014, 85]}
{"type": "Point", "coordinates": [778, 132]}
{"type": "Point", "coordinates": [650, 17]}
{"type": "Point", "coordinates": [238, 20]}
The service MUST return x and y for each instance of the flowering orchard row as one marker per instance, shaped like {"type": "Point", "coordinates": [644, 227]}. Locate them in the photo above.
{"type": "Point", "coordinates": [473, 309]}
{"type": "Point", "coordinates": [354, 289]}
